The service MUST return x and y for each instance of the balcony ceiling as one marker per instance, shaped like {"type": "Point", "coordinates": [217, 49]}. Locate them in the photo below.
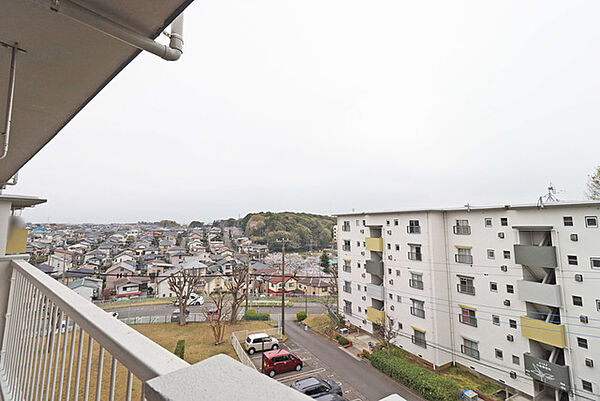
{"type": "Point", "coordinates": [64, 64]}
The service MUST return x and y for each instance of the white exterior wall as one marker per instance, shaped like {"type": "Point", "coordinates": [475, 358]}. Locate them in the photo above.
{"type": "Point", "coordinates": [442, 299]}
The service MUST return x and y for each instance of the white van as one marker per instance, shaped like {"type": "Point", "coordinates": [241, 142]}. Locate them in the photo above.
{"type": "Point", "coordinates": [260, 342]}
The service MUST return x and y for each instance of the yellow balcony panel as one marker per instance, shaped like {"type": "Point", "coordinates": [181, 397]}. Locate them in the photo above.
{"type": "Point", "coordinates": [374, 244]}
{"type": "Point", "coordinates": [375, 316]}
{"type": "Point", "coordinates": [547, 333]}
{"type": "Point", "coordinates": [17, 241]}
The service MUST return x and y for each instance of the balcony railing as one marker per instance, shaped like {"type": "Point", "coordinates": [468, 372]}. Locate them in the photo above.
{"type": "Point", "coordinates": [57, 345]}
{"type": "Point", "coordinates": [468, 259]}
{"type": "Point", "coordinates": [415, 256]}
{"type": "Point", "coordinates": [418, 284]}
{"type": "Point", "coordinates": [472, 352]}
{"type": "Point", "coordinates": [462, 230]}
{"type": "Point", "coordinates": [413, 229]}
{"type": "Point", "coordinates": [418, 312]}
{"type": "Point", "coordinates": [421, 342]}
{"type": "Point", "coordinates": [468, 320]}
{"type": "Point", "coordinates": [465, 289]}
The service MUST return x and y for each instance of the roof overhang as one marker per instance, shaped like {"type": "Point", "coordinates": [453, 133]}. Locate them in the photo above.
{"type": "Point", "coordinates": [63, 64]}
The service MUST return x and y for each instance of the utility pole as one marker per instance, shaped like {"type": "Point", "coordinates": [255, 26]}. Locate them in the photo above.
{"type": "Point", "coordinates": [247, 279]}
{"type": "Point", "coordinates": [283, 242]}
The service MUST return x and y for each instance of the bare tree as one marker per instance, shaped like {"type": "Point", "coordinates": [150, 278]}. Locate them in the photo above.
{"type": "Point", "coordinates": [593, 185]}
{"type": "Point", "coordinates": [332, 300]}
{"type": "Point", "coordinates": [236, 285]}
{"type": "Point", "coordinates": [217, 316]}
{"type": "Point", "coordinates": [183, 283]}
{"type": "Point", "coordinates": [384, 331]}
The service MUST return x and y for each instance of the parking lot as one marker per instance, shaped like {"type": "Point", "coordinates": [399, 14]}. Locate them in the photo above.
{"type": "Point", "coordinates": [312, 366]}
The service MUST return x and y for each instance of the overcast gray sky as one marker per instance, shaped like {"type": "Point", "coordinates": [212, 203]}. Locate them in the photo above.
{"type": "Point", "coordinates": [327, 106]}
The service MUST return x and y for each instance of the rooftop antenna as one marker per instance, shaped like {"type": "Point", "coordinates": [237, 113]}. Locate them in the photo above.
{"type": "Point", "coordinates": [468, 206]}
{"type": "Point", "coordinates": [549, 197]}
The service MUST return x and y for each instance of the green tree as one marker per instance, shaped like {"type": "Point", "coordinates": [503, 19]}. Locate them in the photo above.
{"type": "Point", "coordinates": [324, 263]}
{"type": "Point", "coordinates": [593, 185]}
{"type": "Point", "coordinates": [195, 224]}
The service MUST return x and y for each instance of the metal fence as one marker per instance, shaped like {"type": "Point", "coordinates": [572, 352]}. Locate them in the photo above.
{"type": "Point", "coordinates": [240, 351]}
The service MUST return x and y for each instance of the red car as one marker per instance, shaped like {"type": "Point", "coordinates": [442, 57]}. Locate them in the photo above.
{"type": "Point", "coordinates": [279, 361]}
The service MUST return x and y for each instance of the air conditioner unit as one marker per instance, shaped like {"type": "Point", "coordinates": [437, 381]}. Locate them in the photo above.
{"type": "Point", "coordinates": [363, 275]}
{"type": "Point", "coordinates": [507, 302]}
{"type": "Point", "coordinates": [500, 235]}
{"type": "Point", "coordinates": [389, 232]}
{"type": "Point", "coordinates": [362, 231]}
{"type": "Point", "coordinates": [391, 307]}
{"type": "Point", "coordinates": [391, 282]}
{"type": "Point", "coordinates": [589, 363]}
{"type": "Point", "coordinates": [389, 257]}
{"type": "Point", "coordinates": [364, 298]}
{"type": "Point", "coordinates": [510, 337]}
{"type": "Point", "coordinates": [574, 237]}
{"type": "Point", "coordinates": [513, 375]}
{"type": "Point", "coordinates": [579, 277]}
{"type": "Point", "coordinates": [362, 253]}
{"type": "Point", "coordinates": [364, 321]}
{"type": "Point", "coordinates": [583, 319]}
{"type": "Point", "coordinates": [504, 268]}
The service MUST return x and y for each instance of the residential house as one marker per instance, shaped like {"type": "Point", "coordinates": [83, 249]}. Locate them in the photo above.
{"type": "Point", "coordinates": [117, 271]}
{"type": "Point", "coordinates": [87, 287]}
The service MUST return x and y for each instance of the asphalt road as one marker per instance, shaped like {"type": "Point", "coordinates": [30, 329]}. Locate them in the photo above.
{"type": "Point", "coordinates": [367, 380]}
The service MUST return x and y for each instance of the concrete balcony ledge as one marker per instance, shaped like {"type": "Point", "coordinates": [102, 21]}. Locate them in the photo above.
{"type": "Point", "coordinates": [374, 267]}
{"type": "Point", "coordinates": [375, 291]}
{"type": "Point", "coordinates": [219, 378]}
{"type": "Point", "coordinates": [536, 256]}
{"type": "Point", "coordinates": [539, 293]}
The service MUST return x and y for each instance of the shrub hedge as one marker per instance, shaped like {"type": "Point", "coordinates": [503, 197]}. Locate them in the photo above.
{"type": "Point", "coordinates": [428, 384]}
{"type": "Point", "coordinates": [301, 315]}
{"type": "Point", "coordinates": [251, 314]}
{"type": "Point", "coordinates": [180, 348]}
{"type": "Point", "coordinates": [342, 340]}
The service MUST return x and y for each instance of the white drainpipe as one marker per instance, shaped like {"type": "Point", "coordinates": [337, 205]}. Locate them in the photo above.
{"type": "Point", "coordinates": [9, 102]}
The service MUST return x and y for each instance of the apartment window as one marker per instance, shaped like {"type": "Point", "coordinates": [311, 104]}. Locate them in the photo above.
{"type": "Point", "coordinates": [464, 256]}
{"type": "Point", "coordinates": [397, 247]}
{"type": "Point", "coordinates": [415, 252]}
{"type": "Point", "coordinates": [516, 360]}
{"type": "Point", "coordinates": [462, 227]}
{"type": "Point", "coordinates": [391, 296]}
{"type": "Point", "coordinates": [400, 326]}
{"type": "Point", "coordinates": [488, 222]}
{"type": "Point", "coordinates": [499, 354]}
{"type": "Point", "coordinates": [387, 222]}
{"type": "Point", "coordinates": [347, 287]}
{"type": "Point", "coordinates": [357, 223]}
{"type": "Point", "coordinates": [395, 222]}
{"type": "Point", "coordinates": [364, 222]}
{"type": "Point", "coordinates": [496, 320]}
{"type": "Point", "coordinates": [358, 264]}
{"type": "Point", "coordinates": [591, 221]}
{"type": "Point", "coordinates": [577, 300]}
{"type": "Point", "coordinates": [418, 338]}
{"type": "Point", "coordinates": [587, 386]}
{"type": "Point", "coordinates": [510, 288]}
{"type": "Point", "coordinates": [504, 221]}
{"type": "Point", "coordinates": [397, 273]}
{"type": "Point", "coordinates": [568, 221]}
{"type": "Point", "coordinates": [389, 271]}
{"type": "Point", "coordinates": [346, 246]}
{"type": "Point", "coordinates": [347, 268]}
{"type": "Point", "coordinates": [358, 244]}
{"type": "Point", "coordinates": [348, 307]}
{"type": "Point", "coordinates": [467, 316]}
{"type": "Point", "coordinates": [417, 308]}
{"type": "Point", "coordinates": [512, 323]}
{"type": "Point", "coordinates": [346, 226]}
{"type": "Point", "coordinates": [389, 247]}
{"type": "Point", "coordinates": [359, 309]}
{"type": "Point", "coordinates": [595, 263]}
{"type": "Point", "coordinates": [598, 305]}
{"type": "Point", "coordinates": [491, 254]}
{"type": "Point", "coordinates": [398, 298]}
{"type": "Point", "coordinates": [413, 227]}
{"type": "Point", "coordinates": [572, 259]}
{"type": "Point", "coordinates": [506, 254]}
{"type": "Point", "coordinates": [493, 286]}
{"type": "Point", "coordinates": [582, 342]}
{"type": "Point", "coordinates": [416, 281]}
{"type": "Point", "coordinates": [358, 287]}
{"type": "Point", "coordinates": [465, 286]}
{"type": "Point", "coordinates": [470, 348]}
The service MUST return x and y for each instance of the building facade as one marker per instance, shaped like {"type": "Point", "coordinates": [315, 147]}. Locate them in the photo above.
{"type": "Point", "coordinates": [510, 291]}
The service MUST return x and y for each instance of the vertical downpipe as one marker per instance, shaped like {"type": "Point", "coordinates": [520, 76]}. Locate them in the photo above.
{"type": "Point", "coordinates": [448, 278]}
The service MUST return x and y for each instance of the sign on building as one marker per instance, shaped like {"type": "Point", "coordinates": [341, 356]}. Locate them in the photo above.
{"type": "Point", "coordinates": [547, 372]}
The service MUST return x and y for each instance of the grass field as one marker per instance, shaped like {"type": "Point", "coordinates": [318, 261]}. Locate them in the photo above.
{"type": "Point", "coordinates": [320, 323]}
{"type": "Point", "coordinates": [468, 380]}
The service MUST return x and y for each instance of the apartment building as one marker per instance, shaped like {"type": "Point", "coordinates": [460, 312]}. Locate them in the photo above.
{"type": "Point", "coordinates": [509, 291]}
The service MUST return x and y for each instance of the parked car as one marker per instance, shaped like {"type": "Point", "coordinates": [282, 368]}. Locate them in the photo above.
{"type": "Point", "coordinates": [280, 361]}
{"type": "Point", "coordinates": [115, 314]}
{"type": "Point", "coordinates": [194, 299]}
{"type": "Point", "coordinates": [330, 397]}
{"type": "Point", "coordinates": [315, 387]}
{"type": "Point", "coordinates": [176, 313]}
{"type": "Point", "coordinates": [260, 342]}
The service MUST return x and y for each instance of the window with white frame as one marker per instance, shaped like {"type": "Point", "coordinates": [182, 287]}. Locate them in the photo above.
{"type": "Point", "coordinates": [491, 254]}
{"type": "Point", "coordinates": [591, 221]}
{"type": "Point", "coordinates": [488, 222]}
{"type": "Point", "coordinates": [595, 263]}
